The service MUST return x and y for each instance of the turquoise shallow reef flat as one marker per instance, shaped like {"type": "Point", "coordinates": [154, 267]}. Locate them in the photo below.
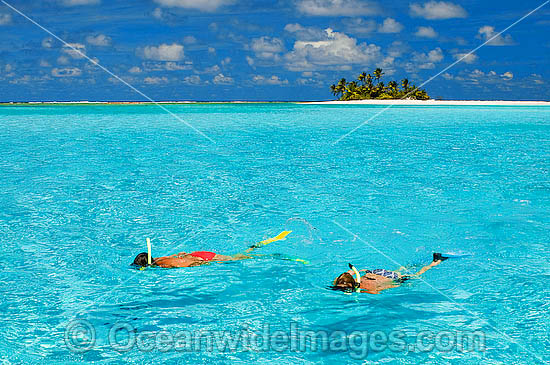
{"type": "Point", "coordinates": [82, 187]}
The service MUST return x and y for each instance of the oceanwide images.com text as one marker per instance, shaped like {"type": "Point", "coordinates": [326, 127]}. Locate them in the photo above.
{"type": "Point", "coordinates": [81, 336]}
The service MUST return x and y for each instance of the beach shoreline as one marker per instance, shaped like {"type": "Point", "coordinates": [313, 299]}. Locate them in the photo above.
{"type": "Point", "coordinates": [433, 102]}
{"type": "Point", "coordinates": [328, 102]}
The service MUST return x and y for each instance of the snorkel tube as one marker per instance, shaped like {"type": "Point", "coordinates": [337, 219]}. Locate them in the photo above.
{"type": "Point", "coordinates": [149, 257]}
{"type": "Point", "coordinates": [149, 260]}
{"type": "Point", "coordinates": [357, 278]}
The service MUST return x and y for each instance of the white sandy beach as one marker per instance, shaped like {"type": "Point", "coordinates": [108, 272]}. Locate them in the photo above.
{"type": "Point", "coordinates": [329, 102]}
{"type": "Point", "coordinates": [434, 102]}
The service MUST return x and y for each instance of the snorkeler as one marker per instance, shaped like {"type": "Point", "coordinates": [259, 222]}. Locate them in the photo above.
{"type": "Point", "coordinates": [374, 281]}
{"type": "Point", "coordinates": [198, 258]}
{"type": "Point", "coordinates": [184, 259]}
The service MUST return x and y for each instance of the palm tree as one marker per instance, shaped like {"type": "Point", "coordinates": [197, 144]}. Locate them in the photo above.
{"type": "Point", "coordinates": [367, 90]}
{"type": "Point", "coordinates": [351, 91]}
{"type": "Point", "coordinates": [341, 87]}
{"type": "Point", "coordinates": [392, 88]}
{"type": "Point", "coordinates": [405, 84]}
{"type": "Point", "coordinates": [368, 86]}
{"type": "Point", "coordinates": [334, 90]}
{"type": "Point", "coordinates": [378, 74]}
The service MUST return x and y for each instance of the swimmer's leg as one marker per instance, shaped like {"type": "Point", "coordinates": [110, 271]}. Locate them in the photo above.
{"type": "Point", "coordinates": [437, 259]}
{"type": "Point", "coordinates": [230, 258]}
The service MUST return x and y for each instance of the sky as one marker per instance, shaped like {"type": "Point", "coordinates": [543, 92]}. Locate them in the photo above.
{"type": "Point", "coordinates": [260, 50]}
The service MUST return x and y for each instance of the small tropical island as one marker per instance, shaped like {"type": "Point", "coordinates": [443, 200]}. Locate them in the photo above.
{"type": "Point", "coordinates": [371, 87]}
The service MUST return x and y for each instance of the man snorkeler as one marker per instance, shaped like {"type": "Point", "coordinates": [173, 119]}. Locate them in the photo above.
{"type": "Point", "coordinates": [374, 281]}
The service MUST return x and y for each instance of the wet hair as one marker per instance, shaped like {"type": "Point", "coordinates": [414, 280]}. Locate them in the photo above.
{"type": "Point", "coordinates": [141, 260]}
{"type": "Point", "coordinates": [344, 282]}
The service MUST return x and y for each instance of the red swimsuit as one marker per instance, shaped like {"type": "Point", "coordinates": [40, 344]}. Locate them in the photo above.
{"type": "Point", "coordinates": [205, 255]}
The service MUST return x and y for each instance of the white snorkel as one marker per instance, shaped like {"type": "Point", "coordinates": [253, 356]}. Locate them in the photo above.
{"type": "Point", "coordinates": [149, 258]}
{"type": "Point", "coordinates": [357, 278]}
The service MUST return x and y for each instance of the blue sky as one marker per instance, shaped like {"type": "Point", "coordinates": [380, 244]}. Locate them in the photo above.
{"type": "Point", "coordinates": [269, 50]}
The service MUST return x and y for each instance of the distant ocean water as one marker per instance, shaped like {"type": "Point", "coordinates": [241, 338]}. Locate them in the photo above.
{"type": "Point", "coordinates": [83, 186]}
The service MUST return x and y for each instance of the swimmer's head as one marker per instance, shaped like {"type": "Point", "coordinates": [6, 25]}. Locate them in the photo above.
{"type": "Point", "coordinates": [345, 282]}
{"type": "Point", "coordinates": [141, 260]}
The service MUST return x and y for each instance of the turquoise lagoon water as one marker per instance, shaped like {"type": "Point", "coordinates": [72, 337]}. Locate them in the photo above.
{"type": "Point", "coordinates": [83, 186]}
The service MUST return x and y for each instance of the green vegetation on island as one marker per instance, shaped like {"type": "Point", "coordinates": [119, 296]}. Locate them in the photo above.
{"type": "Point", "coordinates": [370, 87]}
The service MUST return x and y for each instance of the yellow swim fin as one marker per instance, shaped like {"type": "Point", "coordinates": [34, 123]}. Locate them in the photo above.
{"type": "Point", "coordinates": [280, 236]}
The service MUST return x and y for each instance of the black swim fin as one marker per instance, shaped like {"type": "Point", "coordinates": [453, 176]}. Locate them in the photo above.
{"type": "Point", "coordinates": [439, 257]}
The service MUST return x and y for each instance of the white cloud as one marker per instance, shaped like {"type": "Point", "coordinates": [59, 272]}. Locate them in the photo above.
{"type": "Point", "coordinates": [359, 26]}
{"type": "Point", "coordinates": [273, 80]}
{"type": "Point", "coordinates": [157, 13]}
{"type": "Point", "coordinates": [8, 71]}
{"type": "Point", "coordinates": [338, 7]}
{"type": "Point", "coordinates": [212, 70]}
{"type": "Point", "coordinates": [47, 42]}
{"type": "Point", "coordinates": [307, 33]}
{"type": "Point", "coordinates": [310, 81]}
{"type": "Point", "coordinates": [425, 61]}
{"type": "Point", "coordinates": [24, 79]}
{"type": "Point", "coordinates": [79, 2]}
{"type": "Point", "coordinates": [192, 80]}
{"type": "Point", "coordinates": [164, 52]}
{"type": "Point", "coordinates": [426, 32]}
{"type": "Point", "coordinates": [75, 50]}
{"type": "Point", "coordinates": [468, 58]}
{"type": "Point", "coordinates": [213, 27]}
{"type": "Point", "coordinates": [397, 48]}
{"type": "Point", "coordinates": [221, 79]}
{"type": "Point", "coordinates": [100, 40]}
{"type": "Point", "coordinates": [267, 48]}
{"type": "Point", "coordinates": [174, 66]}
{"type": "Point", "coordinates": [435, 55]}
{"type": "Point", "coordinates": [165, 66]}
{"type": "Point", "coordinates": [5, 19]}
{"type": "Point", "coordinates": [202, 5]}
{"type": "Point", "coordinates": [63, 60]}
{"type": "Point", "coordinates": [128, 79]}
{"type": "Point", "coordinates": [267, 44]}
{"type": "Point", "coordinates": [155, 80]}
{"type": "Point", "coordinates": [94, 61]}
{"type": "Point", "coordinates": [333, 51]}
{"type": "Point", "coordinates": [390, 25]}
{"type": "Point", "coordinates": [250, 60]}
{"type": "Point", "coordinates": [189, 39]}
{"type": "Point", "coordinates": [478, 77]}
{"type": "Point", "coordinates": [66, 72]}
{"type": "Point", "coordinates": [438, 10]}
{"type": "Point", "coordinates": [487, 32]}
{"type": "Point", "coordinates": [537, 79]}
{"type": "Point", "coordinates": [135, 70]}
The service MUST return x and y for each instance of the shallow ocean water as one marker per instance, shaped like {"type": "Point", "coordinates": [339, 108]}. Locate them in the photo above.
{"type": "Point", "coordinates": [83, 186]}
